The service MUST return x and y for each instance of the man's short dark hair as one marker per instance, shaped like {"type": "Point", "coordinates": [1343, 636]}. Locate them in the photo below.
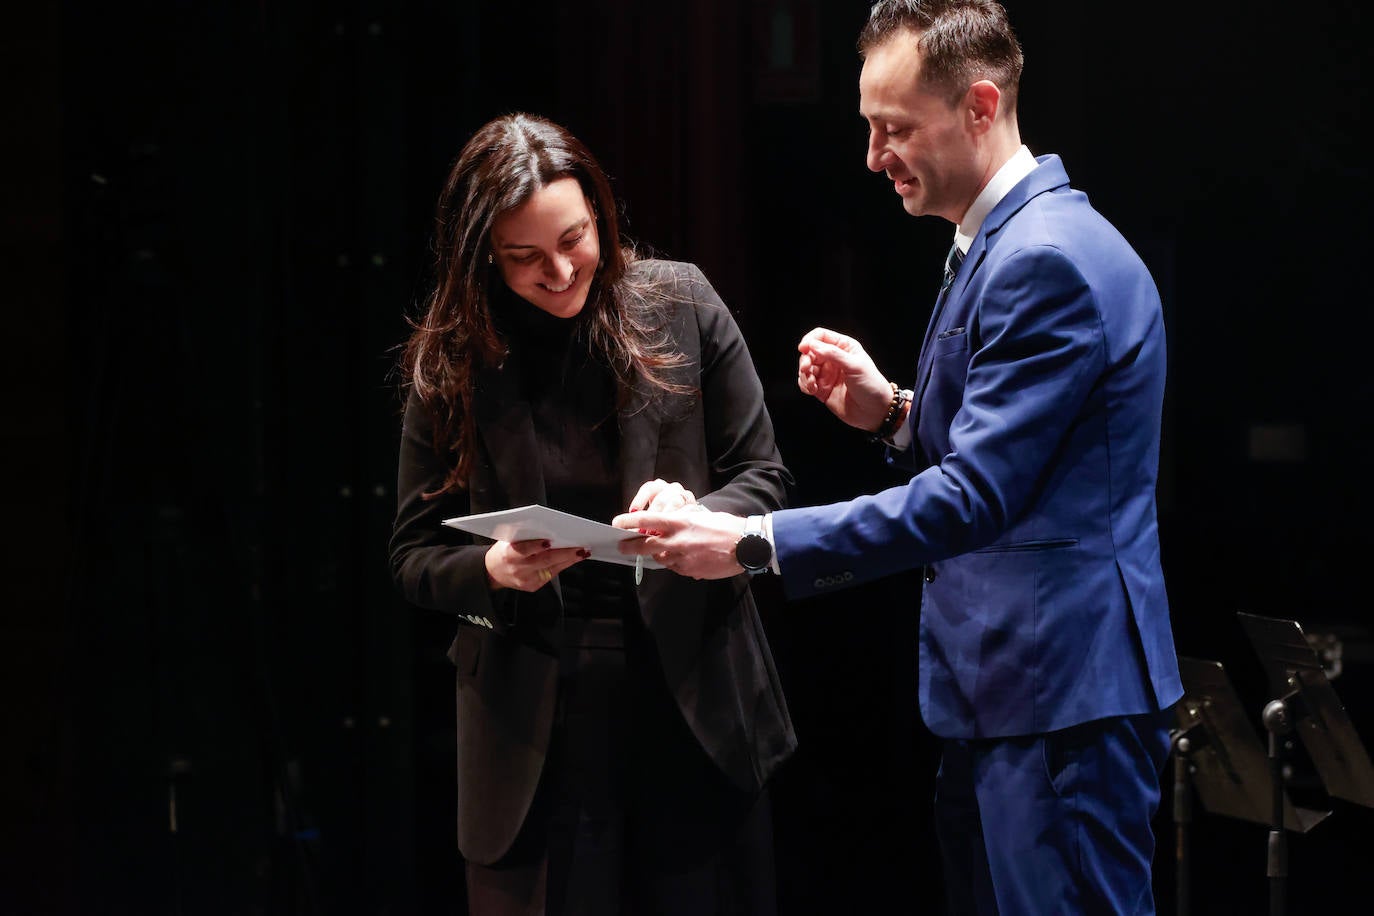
{"type": "Point", "coordinates": [961, 42]}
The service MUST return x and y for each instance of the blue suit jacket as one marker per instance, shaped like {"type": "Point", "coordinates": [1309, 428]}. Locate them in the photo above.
{"type": "Point", "coordinates": [1036, 440]}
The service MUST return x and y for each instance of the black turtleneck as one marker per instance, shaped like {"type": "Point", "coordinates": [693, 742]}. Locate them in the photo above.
{"type": "Point", "coordinates": [571, 393]}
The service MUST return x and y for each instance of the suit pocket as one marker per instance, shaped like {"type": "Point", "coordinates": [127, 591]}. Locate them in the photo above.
{"type": "Point", "coordinates": [1028, 546]}
{"type": "Point", "coordinates": [465, 650]}
{"type": "Point", "coordinates": [1059, 754]}
{"type": "Point", "coordinates": [950, 341]}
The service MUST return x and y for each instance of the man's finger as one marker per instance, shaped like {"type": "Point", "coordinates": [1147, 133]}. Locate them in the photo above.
{"type": "Point", "coordinates": [662, 522]}
{"type": "Point", "coordinates": [640, 546]}
{"type": "Point", "coordinates": [824, 352]}
{"type": "Point", "coordinates": [823, 335]}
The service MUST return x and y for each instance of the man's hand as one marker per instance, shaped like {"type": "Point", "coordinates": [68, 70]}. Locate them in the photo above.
{"type": "Point", "coordinates": [837, 371]}
{"type": "Point", "coordinates": [528, 566]}
{"type": "Point", "coordinates": [691, 543]}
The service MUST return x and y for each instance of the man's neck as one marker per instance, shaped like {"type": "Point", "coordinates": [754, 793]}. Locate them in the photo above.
{"type": "Point", "coordinates": [1017, 166]}
{"type": "Point", "coordinates": [1000, 144]}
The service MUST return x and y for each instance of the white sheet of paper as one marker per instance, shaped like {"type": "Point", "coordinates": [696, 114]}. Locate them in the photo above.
{"type": "Point", "coordinates": [562, 529]}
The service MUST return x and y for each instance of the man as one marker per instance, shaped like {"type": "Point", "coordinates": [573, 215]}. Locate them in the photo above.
{"type": "Point", "coordinates": [1046, 660]}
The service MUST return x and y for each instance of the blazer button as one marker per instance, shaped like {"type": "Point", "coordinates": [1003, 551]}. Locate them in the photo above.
{"type": "Point", "coordinates": [930, 573]}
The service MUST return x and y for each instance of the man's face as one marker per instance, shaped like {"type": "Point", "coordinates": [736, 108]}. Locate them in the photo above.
{"type": "Point", "coordinates": [914, 137]}
{"type": "Point", "coordinates": [547, 249]}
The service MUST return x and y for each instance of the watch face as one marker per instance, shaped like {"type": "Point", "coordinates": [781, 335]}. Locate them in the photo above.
{"type": "Point", "coordinates": [753, 551]}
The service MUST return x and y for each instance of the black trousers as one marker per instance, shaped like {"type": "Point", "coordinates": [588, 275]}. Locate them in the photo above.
{"type": "Point", "coordinates": [631, 817]}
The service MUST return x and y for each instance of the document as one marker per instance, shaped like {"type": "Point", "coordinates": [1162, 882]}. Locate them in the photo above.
{"type": "Point", "coordinates": [561, 529]}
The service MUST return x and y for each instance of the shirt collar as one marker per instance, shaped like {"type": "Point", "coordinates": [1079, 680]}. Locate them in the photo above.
{"type": "Point", "coordinates": [1021, 164]}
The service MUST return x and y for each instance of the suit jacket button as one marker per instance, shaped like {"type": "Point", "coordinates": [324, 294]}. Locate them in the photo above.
{"type": "Point", "coordinates": [930, 573]}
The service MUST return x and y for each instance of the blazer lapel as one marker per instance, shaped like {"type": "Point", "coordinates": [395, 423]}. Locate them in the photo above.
{"type": "Point", "coordinates": [507, 429]}
{"type": "Point", "coordinates": [1048, 176]}
{"type": "Point", "coordinates": [504, 424]}
{"type": "Point", "coordinates": [925, 363]}
{"type": "Point", "coordinates": [639, 428]}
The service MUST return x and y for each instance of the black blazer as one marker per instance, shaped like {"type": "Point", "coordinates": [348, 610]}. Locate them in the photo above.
{"type": "Point", "coordinates": [719, 444]}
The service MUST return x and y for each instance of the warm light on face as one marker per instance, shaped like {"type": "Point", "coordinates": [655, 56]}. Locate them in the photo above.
{"type": "Point", "coordinates": [914, 138]}
{"type": "Point", "coordinates": [547, 249]}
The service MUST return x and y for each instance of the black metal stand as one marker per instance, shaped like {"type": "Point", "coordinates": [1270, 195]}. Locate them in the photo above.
{"type": "Point", "coordinates": [1308, 707]}
{"type": "Point", "coordinates": [1218, 756]}
{"type": "Point", "coordinates": [1278, 724]}
{"type": "Point", "coordinates": [1183, 819]}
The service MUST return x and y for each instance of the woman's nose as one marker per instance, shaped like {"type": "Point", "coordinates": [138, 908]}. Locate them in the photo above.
{"type": "Point", "coordinates": [559, 268]}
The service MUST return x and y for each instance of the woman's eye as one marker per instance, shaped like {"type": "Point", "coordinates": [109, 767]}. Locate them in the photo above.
{"type": "Point", "coordinates": [573, 243]}
{"type": "Point", "coordinates": [525, 258]}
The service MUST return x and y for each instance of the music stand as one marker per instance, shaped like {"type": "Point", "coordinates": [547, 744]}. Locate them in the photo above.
{"type": "Point", "coordinates": [1217, 751]}
{"type": "Point", "coordinates": [1304, 703]}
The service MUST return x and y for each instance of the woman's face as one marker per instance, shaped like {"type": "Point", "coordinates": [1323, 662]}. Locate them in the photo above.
{"type": "Point", "coordinates": [547, 248]}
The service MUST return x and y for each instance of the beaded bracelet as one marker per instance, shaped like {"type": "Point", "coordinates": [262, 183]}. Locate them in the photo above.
{"type": "Point", "coordinates": [894, 414]}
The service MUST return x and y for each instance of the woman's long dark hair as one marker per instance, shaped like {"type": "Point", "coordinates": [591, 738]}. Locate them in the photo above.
{"type": "Point", "coordinates": [498, 170]}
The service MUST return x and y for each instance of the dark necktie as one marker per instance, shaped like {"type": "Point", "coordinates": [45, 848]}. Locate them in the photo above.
{"type": "Point", "coordinates": [952, 262]}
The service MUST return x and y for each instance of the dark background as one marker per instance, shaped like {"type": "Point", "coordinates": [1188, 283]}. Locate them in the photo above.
{"type": "Point", "coordinates": [215, 218]}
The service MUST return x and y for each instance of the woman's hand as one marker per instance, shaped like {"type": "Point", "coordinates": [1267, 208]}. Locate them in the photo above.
{"type": "Point", "coordinates": [658, 495]}
{"type": "Point", "coordinates": [528, 566]}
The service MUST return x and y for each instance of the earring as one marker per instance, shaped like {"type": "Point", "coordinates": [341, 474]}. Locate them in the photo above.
{"type": "Point", "coordinates": [489, 261]}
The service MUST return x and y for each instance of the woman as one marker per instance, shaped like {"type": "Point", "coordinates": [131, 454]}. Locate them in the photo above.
{"type": "Point", "coordinates": [614, 740]}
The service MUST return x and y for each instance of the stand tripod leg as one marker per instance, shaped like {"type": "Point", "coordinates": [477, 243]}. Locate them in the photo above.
{"type": "Point", "coordinates": [1276, 723]}
{"type": "Point", "coordinates": [1183, 816]}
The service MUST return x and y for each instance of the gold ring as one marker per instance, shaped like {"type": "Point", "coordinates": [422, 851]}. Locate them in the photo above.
{"type": "Point", "coordinates": [545, 575]}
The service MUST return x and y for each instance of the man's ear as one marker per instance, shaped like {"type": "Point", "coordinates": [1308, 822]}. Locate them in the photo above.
{"type": "Point", "coordinates": [980, 105]}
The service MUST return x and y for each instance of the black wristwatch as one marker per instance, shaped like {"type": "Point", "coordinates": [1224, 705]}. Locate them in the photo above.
{"type": "Point", "coordinates": [753, 551]}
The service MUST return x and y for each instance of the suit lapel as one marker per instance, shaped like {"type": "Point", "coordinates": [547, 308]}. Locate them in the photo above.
{"type": "Point", "coordinates": [925, 364]}
{"type": "Point", "coordinates": [639, 428]}
{"type": "Point", "coordinates": [1048, 176]}
{"type": "Point", "coordinates": [507, 430]}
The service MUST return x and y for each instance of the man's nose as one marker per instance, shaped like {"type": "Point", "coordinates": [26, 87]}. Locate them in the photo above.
{"type": "Point", "coordinates": [877, 153]}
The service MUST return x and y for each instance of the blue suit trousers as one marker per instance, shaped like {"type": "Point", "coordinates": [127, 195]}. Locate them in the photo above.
{"type": "Point", "coordinates": [1053, 823]}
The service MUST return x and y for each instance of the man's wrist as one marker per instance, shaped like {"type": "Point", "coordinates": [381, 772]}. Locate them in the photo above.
{"type": "Point", "coordinates": [773, 566]}
{"type": "Point", "coordinates": [897, 410]}
{"type": "Point", "coordinates": [753, 550]}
